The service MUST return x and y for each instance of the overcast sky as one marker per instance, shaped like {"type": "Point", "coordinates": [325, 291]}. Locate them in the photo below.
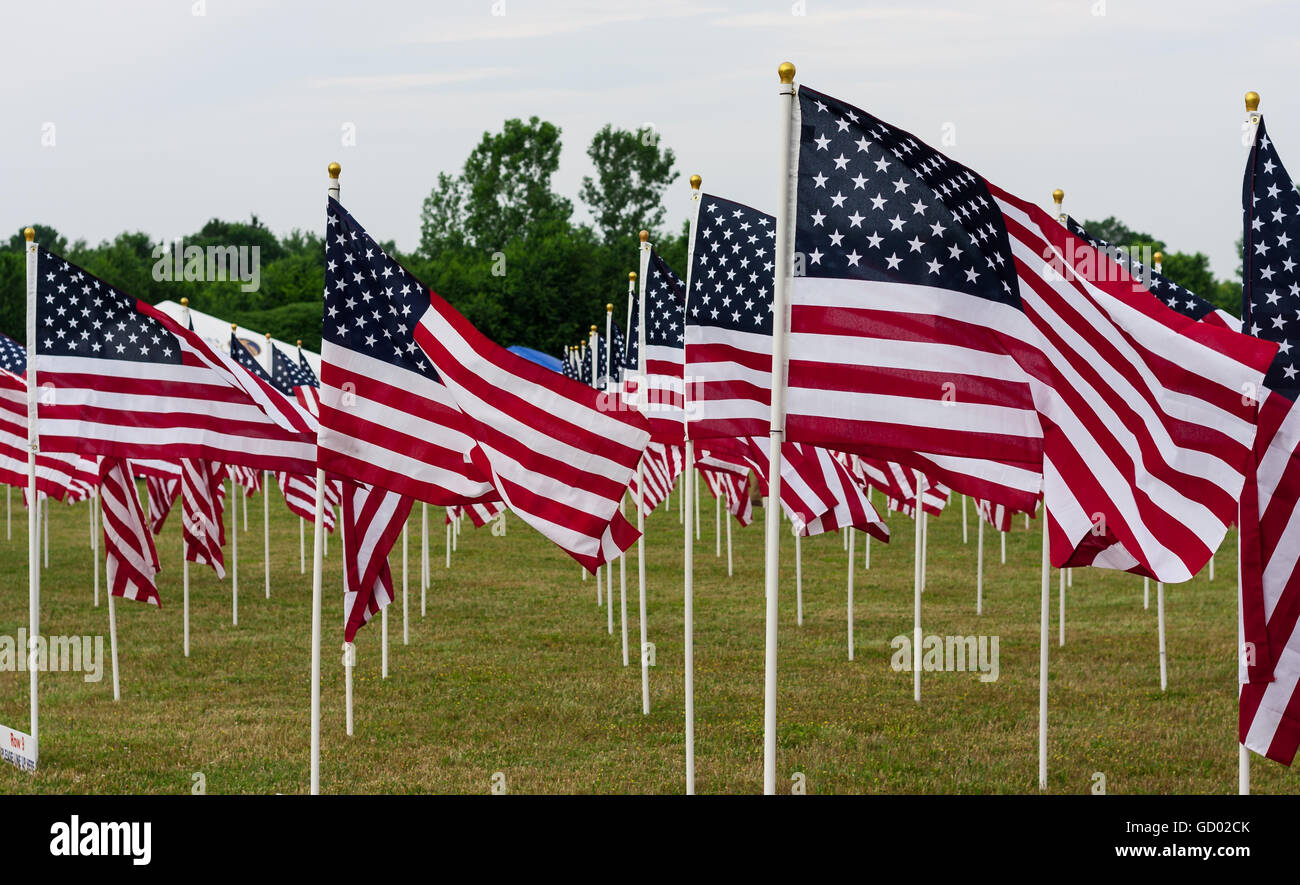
{"type": "Point", "coordinates": [162, 118]}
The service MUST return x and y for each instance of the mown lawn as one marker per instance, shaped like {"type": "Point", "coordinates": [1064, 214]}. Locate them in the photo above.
{"type": "Point", "coordinates": [512, 671]}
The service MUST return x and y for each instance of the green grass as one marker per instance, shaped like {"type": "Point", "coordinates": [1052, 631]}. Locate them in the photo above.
{"type": "Point", "coordinates": [512, 671]}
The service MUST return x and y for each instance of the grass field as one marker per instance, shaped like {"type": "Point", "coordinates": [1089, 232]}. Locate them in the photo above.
{"type": "Point", "coordinates": [512, 671]}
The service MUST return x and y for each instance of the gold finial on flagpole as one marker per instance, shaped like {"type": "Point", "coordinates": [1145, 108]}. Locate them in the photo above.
{"type": "Point", "coordinates": [1057, 196]}
{"type": "Point", "coordinates": [609, 308]}
{"type": "Point", "coordinates": [185, 302]}
{"type": "Point", "coordinates": [1158, 258]}
{"type": "Point", "coordinates": [29, 235]}
{"type": "Point", "coordinates": [631, 276]}
{"type": "Point", "coordinates": [786, 72]}
{"type": "Point", "coordinates": [300, 342]}
{"type": "Point", "coordinates": [593, 328]}
{"type": "Point", "coordinates": [335, 169]}
{"type": "Point", "coordinates": [645, 235]}
{"type": "Point", "coordinates": [1252, 101]}
{"type": "Point", "coordinates": [695, 182]}
{"type": "Point", "coordinates": [234, 327]}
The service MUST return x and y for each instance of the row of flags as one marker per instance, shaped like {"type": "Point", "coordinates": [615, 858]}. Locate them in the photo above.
{"type": "Point", "coordinates": [943, 336]}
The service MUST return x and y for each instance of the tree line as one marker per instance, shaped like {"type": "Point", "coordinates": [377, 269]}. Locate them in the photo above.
{"type": "Point", "coordinates": [496, 240]}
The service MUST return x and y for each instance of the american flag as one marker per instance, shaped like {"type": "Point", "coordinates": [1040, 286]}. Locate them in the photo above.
{"type": "Point", "coordinates": [306, 367]}
{"type": "Point", "coordinates": [1270, 523]}
{"type": "Point", "coordinates": [132, 559]}
{"type": "Point", "coordinates": [250, 479]}
{"type": "Point", "coordinates": [660, 472]}
{"type": "Point", "coordinates": [665, 337]}
{"type": "Point", "coordinates": [618, 357]}
{"type": "Point", "coordinates": [55, 473]}
{"type": "Point", "coordinates": [733, 488]}
{"type": "Point", "coordinates": [557, 460]}
{"type": "Point", "coordinates": [287, 375]}
{"type": "Point", "coordinates": [202, 527]}
{"type": "Point", "coordinates": [127, 381]}
{"type": "Point", "coordinates": [162, 495]}
{"type": "Point", "coordinates": [944, 324]}
{"type": "Point", "coordinates": [729, 320]}
{"type": "Point", "coordinates": [13, 356]}
{"type": "Point", "coordinates": [995, 515]}
{"type": "Point", "coordinates": [386, 418]}
{"type": "Point", "coordinates": [373, 519]}
{"type": "Point", "coordinates": [479, 514]}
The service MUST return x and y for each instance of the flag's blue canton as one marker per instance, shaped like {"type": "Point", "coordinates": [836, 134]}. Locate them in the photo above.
{"type": "Point", "coordinates": [584, 366]}
{"type": "Point", "coordinates": [665, 302]}
{"type": "Point", "coordinates": [1271, 297]}
{"type": "Point", "coordinates": [240, 354]}
{"type": "Point", "coordinates": [13, 356]}
{"type": "Point", "coordinates": [372, 304]}
{"type": "Point", "coordinates": [566, 363]}
{"type": "Point", "coordinates": [734, 272]}
{"type": "Point", "coordinates": [80, 315]}
{"type": "Point", "coordinates": [875, 203]}
{"type": "Point", "coordinates": [286, 374]}
{"type": "Point", "coordinates": [1184, 301]}
{"type": "Point", "coordinates": [306, 367]}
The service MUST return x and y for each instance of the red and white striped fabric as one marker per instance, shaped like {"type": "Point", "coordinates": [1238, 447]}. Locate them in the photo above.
{"type": "Point", "coordinates": [557, 461]}
{"type": "Point", "coordinates": [201, 517]}
{"type": "Point", "coordinates": [733, 488]}
{"type": "Point", "coordinates": [130, 555]}
{"type": "Point", "coordinates": [55, 473]}
{"type": "Point", "coordinates": [479, 514]}
{"type": "Point", "coordinates": [996, 515]}
{"type": "Point", "coordinates": [1008, 377]}
{"type": "Point", "coordinates": [373, 519]}
{"type": "Point", "coordinates": [300, 496]}
{"type": "Point", "coordinates": [142, 386]}
{"type": "Point", "coordinates": [308, 398]}
{"type": "Point", "coordinates": [162, 495]}
{"type": "Point", "coordinates": [660, 471]}
{"type": "Point", "coordinates": [248, 477]}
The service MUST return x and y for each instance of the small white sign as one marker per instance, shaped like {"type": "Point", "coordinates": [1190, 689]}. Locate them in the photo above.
{"type": "Point", "coordinates": [17, 748]}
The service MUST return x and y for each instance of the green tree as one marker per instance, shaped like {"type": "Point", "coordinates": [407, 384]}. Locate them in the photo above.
{"type": "Point", "coordinates": [632, 174]}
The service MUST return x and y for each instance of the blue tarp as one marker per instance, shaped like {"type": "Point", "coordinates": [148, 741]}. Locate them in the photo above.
{"type": "Point", "coordinates": [542, 359]}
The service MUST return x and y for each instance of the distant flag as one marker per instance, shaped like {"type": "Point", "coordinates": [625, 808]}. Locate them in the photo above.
{"type": "Point", "coordinates": [162, 495]}
{"type": "Point", "coordinates": [944, 324]}
{"type": "Point", "coordinates": [13, 356]}
{"type": "Point", "coordinates": [1270, 521]}
{"type": "Point", "coordinates": [665, 335]}
{"type": "Point", "coordinates": [306, 367]}
{"type": "Point", "coordinates": [373, 518]}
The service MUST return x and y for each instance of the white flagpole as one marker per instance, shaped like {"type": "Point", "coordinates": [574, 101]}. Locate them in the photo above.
{"type": "Point", "coordinates": [729, 560]}
{"type": "Point", "coordinates": [1211, 566]}
{"type": "Point", "coordinates": [787, 107]}
{"type": "Point", "coordinates": [266, 529]}
{"type": "Point", "coordinates": [979, 568]}
{"type": "Point", "coordinates": [383, 629]}
{"type": "Point", "coordinates": [317, 568]}
{"type": "Point", "coordinates": [1045, 603]}
{"type": "Point", "coordinates": [406, 621]}
{"type": "Point", "coordinates": [424, 555]}
{"type": "Point", "coordinates": [45, 519]}
{"type": "Point", "coordinates": [9, 513]}
{"type": "Point", "coordinates": [640, 567]}
{"type": "Point", "coordinates": [244, 499]}
{"type": "Point", "coordinates": [1004, 547]}
{"type": "Point", "coordinates": [688, 617]}
{"type": "Point", "coordinates": [964, 531]}
{"type": "Point", "coordinates": [695, 486]}
{"type": "Point", "coordinates": [1061, 617]}
{"type": "Point", "coordinates": [185, 582]}
{"type": "Point", "coordinates": [1146, 593]}
{"type": "Point", "coordinates": [609, 597]}
{"type": "Point", "coordinates": [33, 508]}
{"type": "Point", "coordinates": [798, 577]}
{"type": "Point", "coordinates": [1160, 617]}
{"type": "Point", "coordinates": [94, 542]}
{"type": "Point", "coordinates": [925, 538]}
{"type": "Point", "coordinates": [302, 546]}
{"type": "Point", "coordinates": [850, 595]}
{"type": "Point", "coordinates": [234, 556]}
{"type": "Point", "coordinates": [622, 591]}
{"type": "Point", "coordinates": [917, 578]}
{"type": "Point", "coordinates": [717, 527]}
